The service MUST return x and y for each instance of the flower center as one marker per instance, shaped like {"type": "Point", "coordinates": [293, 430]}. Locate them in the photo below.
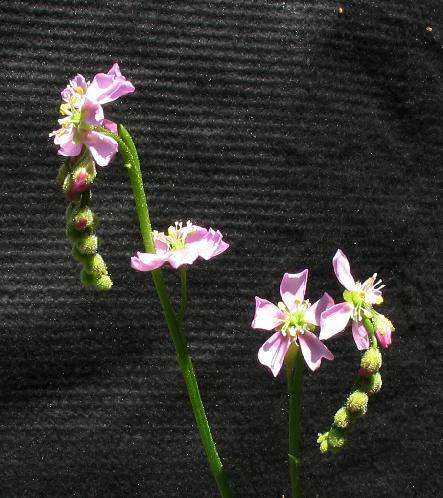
{"type": "Point", "coordinates": [295, 322]}
{"type": "Point", "coordinates": [176, 235]}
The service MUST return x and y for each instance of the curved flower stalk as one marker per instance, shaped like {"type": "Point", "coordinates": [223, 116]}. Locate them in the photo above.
{"type": "Point", "coordinates": [75, 178]}
{"type": "Point", "coordinates": [85, 135]}
{"type": "Point", "coordinates": [81, 110]}
{"type": "Point", "coordinates": [294, 320]}
{"type": "Point", "coordinates": [360, 299]}
{"type": "Point", "coordinates": [369, 329]}
{"type": "Point", "coordinates": [181, 245]}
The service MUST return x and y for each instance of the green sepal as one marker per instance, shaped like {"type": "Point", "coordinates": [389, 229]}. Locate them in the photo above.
{"type": "Point", "coordinates": [87, 244]}
{"type": "Point", "coordinates": [103, 283]}
{"type": "Point", "coordinates": [336, 439]}
{"type": "Point", "coordinates": [96, 266]}
{"type": "Point", "coordinates": [371, 384]}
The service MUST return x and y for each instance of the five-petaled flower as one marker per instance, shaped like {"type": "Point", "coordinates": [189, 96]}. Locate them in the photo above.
{"type": "Point", "coordinates": [181, 245]}
{"type": "Point", "coordinates": [293, 320]}
{"type": "Point", "coordinates": [81, 110]}
{"type": "Point", "coordinates": [359, 300]}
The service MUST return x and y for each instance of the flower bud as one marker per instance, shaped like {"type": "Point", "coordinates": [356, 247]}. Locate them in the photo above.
{"type": "Point", "coordinates": [83, 218]}
{"type": "Point", "coordinates": [96, 266]}
{"type": "Point", "coordinates": [343, 418]}
{"type": "Point", "coordinates": [87, 244]}
{"type": "Point", "coordinates": [322, 440]}
{"type": "Point", "coordinates": [336, 439]}
{"type": "Point", "coordinates": [103, 283]}
{"type": "Point", "coordinates": [357, 403]}
{"type": "Point", "coordinates": [80, 180]}
{"type": "Point", "coordinates": [383, 329]}
{"type": "Point", "coordinates": [371, 384]}
{"type": "Point", "coordinates": [371, 360]}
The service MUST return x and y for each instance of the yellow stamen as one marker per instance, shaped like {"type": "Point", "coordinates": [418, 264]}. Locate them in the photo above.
{"type": "Point", "coordinates": [79, 90]}
{"type": "Point", "coordinates": [65, 109]}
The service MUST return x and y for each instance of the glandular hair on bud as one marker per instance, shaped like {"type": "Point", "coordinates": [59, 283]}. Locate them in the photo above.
{"type": "Point", "coordinates": [336, 439]}
{"type": "Point", "coordinates": [87, 244]}
{"type": "Point", "coordinates": [372, 360]}
{"type": "Point", "coordinates": [103, 283]}
{"type": "Point", "coordinates": [357, 403]}
{"type": "Point", "coordinates": [63, 172]}
{"type": "Point", "coordinates": [343, 418]}
{"type": "Point", "coordinates": [371, 384]}
{"type": "Point", "coordinates": [96, 266]}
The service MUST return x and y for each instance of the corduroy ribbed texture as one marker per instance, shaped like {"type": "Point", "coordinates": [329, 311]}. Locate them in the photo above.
{"type": "Point", "coordinates": [295, 131]}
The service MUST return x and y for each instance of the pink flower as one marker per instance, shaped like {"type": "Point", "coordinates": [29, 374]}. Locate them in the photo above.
{"type": "Point", "coordinates": [359, 300]}
{"type": "Point", "coordinates": [81, 109]}
{"type": "Point", "coordinates": [293, 319]}
{"type": "Point", "coordinates": [182, 245]}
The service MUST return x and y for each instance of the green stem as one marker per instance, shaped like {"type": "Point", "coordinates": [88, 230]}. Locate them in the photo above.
{"type": "Point", "coordinates": [183, 295]}
{"type": "Point", "coordinates": [370, 330]}
{"type": "Point", "coordinates": [130, 156]}
{"type": "Point", "coordinates": [294, 373]}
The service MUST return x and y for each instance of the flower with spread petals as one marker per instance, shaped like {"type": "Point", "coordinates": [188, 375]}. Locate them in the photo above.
{"type": "Point", "coordinates": [181, 245]}
{"type": "Point", "coordinates": [359, 300]}
{"type": "Point", "coordinates": [81, 110]}
{"type": "Point", "coordinates": [293, 320]}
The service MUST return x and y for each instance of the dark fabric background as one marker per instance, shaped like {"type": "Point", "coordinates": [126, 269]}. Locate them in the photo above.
{"type": "Point", "coordinates": [294, 131]}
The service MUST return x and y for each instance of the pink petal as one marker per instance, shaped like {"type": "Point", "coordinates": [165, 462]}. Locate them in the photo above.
{"type": "Point", "coordinates": [67, 145]}
{"type": "Point", "coordinates": [293, 287]}
{"type": "Point", "coordinates": [312, 314]}
{"type": "Point", "coordinates": [267, 315]}
{"type": "Point", "coordinates": [360, 335]}
{"type": "Point", "coordinates": [313, 350]}
{"type": "Point", "coordinates": [108, 87]}
{"type": "Point", "coordinates": [180, 257]}
{"type": "Point", "coordinates": [272, 353]}
{"type": "Point", "coordinates": [196, 234]}
{"type": "Point", "coordinates": [160, 245]}
{"type": "Point", "coordinates": [147, 262]}
{"type": "Point", "coordinates": [342, 270]}
{"type": "Point", "coordinates": [211, 245]}
{"type": "Point", "coordinates": [102, 148]}
{"type": "Point", "coordinates": [335, 319]}
{"type": "Point", "coordinates": [92, 113]}
{"type": "Point", "coordinates": [110, 125]}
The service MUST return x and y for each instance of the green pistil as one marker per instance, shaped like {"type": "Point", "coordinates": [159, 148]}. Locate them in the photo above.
{"type": "Point", "coordinates": [354, 297]}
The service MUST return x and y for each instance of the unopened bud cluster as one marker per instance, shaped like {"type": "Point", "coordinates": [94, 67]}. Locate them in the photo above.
{"type": "Point", "coordinates": [81, 223]}
{"type": "Point", "coordinates": [368, 383]}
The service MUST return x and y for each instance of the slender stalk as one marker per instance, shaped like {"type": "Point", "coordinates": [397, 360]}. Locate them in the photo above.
{"type": "Point", "coordinates": [130, 156]}
{"type": "Point", "coordinates": [294, 373]}
{"type": "Point", "coordinates": [370, 330]}
{"type": "Point", "coordinates": [183, 295]}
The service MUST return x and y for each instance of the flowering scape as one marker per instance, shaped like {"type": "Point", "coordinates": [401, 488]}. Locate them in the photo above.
{"type": "Point", "coordinates": [85, 137]}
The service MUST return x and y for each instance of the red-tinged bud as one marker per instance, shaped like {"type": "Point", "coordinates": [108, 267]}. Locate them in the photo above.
{"type": "Point", "coordinates": [80, 180]}
{"type": "Point", "coordinates": [364, 373]}
{"type": "Point", "coordinates": [83, 218]}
